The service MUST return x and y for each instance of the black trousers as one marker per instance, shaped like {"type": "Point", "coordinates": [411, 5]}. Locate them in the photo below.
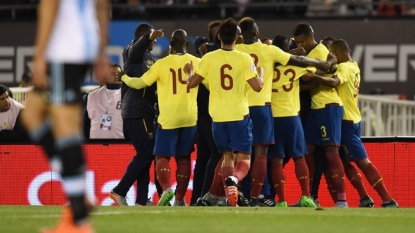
{"type": "Point", "coordinates": [207, 158]}
{"type": "Point", "coordinates": [141, 133]}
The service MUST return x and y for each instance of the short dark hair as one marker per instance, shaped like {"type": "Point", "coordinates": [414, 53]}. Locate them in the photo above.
{"type": "Point", "coordinates": [115, 65]}
{"type": "Point", "coordinates": [228, 31]}
{"type": "Point", "coordinates": [303, 28]}
{"type": "Point", "coordinates": [27, 76]}
{"type": "Point", "coordinates": [280, 41]}
{"type": "Point", "coordinates": [3, 89]}
{"type": "Point", "coordinates": [211, 25]}
{"type": "Point", "coordinates": [142, 29]}
{"type": "Point", "coordinates": [341, 44]}
{"type": "Point", "coordinates": [247, 25]}
{"type": "Point", "coordinates": [328, 38]}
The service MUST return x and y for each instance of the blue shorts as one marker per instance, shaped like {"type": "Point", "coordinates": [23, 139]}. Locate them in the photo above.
{"type": "Point", "coordinates": [323, 126]}
{"type": "Point", "coordinates": [172, 142]}
{"type": "Point", "coordinates": [262, 125]}
{"type": "Point", "coordinates": [289, 138]}
{"type": "Point", "coordinates": [233, 135]}
{"type": "Point", "coordinates": [352, 146]}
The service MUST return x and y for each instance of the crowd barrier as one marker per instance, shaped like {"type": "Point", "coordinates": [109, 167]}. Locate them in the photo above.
{"type": "Point", "coordinates": [381, 115]}
{"type": "Point", "coordinates": [27, 179]}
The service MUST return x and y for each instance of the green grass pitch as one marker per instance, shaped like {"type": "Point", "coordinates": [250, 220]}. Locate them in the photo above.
{"type": "Point", "coordinates": [217, 219]}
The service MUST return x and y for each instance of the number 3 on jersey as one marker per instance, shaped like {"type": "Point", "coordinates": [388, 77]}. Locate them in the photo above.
{"type": "Point", "coordinates": [290, 73]}
{"type": "Point", "coordinates": [174, 84]}
{"type": "Point", "coordinates": [323, 131]}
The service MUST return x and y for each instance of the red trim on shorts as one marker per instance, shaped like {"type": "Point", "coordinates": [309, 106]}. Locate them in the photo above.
{"type": "Point", "coordinates": [243, 152]}
{"type": "Point", "coordinates": [263, 144]}
{"type": "Point", "coordinates": [347, 122]}
{"type": "Point", "coordinates": [336, 145]}
{"type": "Point", "coordinates": [164, 155]}
{"type": "Point", "coordinates": [332, 105]}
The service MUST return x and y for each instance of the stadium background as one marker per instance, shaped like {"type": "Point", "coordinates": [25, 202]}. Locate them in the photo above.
{"type": "Point", "coordinates": [384, 47]}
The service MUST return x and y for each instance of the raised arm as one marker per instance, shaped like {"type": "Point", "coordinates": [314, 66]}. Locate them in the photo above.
{"type": "Point", "coordinates": [137, 50]}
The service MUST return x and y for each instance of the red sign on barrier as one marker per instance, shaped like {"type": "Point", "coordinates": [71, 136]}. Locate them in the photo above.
{"type": "Point", "coordinates": [27, 179]}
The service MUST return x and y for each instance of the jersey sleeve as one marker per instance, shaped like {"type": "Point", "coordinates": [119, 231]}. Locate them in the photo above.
{"type": "Point", "coordinates": [136, 83]}
{"type": "Point", "coordinates": [319, 53]}
{"type": "Point", "coordinates": [152, 75]}
{"type": "Point", "coordinates": [249, 67]}
{"type": "Point", "coordinates": [341, 73]}
{"type": "Point", "coordinates": [202, 68]}
{"type": "Point", "coordinates": [312, 69]}
{"type": "Point", "coordinates": [279, 56]}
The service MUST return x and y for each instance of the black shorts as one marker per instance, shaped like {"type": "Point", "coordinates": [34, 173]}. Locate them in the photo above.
{"type": "Point", "coordinates": [65, 82]}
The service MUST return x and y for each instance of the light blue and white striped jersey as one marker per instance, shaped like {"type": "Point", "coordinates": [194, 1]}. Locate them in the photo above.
{"type": "Point", "coordinates": [75, 37]}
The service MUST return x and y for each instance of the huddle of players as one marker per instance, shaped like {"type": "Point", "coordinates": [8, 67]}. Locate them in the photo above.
{"type": "Point", "coordinates": [261, 118]}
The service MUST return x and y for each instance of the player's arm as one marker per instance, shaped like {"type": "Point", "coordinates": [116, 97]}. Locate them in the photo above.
{"type": "Point", "coordinates": [302, 61]}
{"type": "Point", "coordinates": [137, 50]}
{"type": "Point", "coordinates": [327, 81]}
{"type": "Point", "coordinates": [193, 79]}
{"type": "Point", "coordinates": [47, 11]}
{"type": "Point", "coordinates": [102, 63]}
{"type": "Point", "coordinates": [136, 83]}
{"type": "Point", "coordinates": [103, 16]}
{"type": "Point", "coordinates": [147, 79]}
{"type": "Point", "coordinates": [258, 81]}
{"type": "Point", "coordinates": [307, 85]}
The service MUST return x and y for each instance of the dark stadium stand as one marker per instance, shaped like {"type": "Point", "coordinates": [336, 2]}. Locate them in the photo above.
{"type": "Point", "coordinates": [22, 10]}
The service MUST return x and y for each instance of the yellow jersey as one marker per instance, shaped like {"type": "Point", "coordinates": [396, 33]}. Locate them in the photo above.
{"type": "Point", "coordinates": [286, 90]}
{"type": "Point", "coordinates": [177, 103]}
{"type": "Point", "coordinates": [265, 56]}
{"type": "Point", "coordinates": [227, 72]}
{"type": "Point", "coordinates": [322, 95]}
{"type": "Point", "coordinates": [349, 75]}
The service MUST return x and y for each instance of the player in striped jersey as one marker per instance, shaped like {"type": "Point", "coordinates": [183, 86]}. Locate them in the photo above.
{"type": "Point", "coordinates": [71, 38]}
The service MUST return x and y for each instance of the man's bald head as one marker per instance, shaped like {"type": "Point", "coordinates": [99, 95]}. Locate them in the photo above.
{"type": "Point", "coordinates": [178, 40]}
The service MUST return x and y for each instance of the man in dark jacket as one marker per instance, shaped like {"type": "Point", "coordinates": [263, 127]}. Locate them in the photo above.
{"type": "Point", "coordinates": [138, 114]}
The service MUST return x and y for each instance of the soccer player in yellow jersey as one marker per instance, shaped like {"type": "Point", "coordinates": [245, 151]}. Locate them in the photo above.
{"type": "Point", "coordinates": [260, 103]}
{"type": "Point", "coordinates": [347, 81]}
{"type": "Point", "coordinates": [176, 132]}
{"type": "Point", "coordinates": [323, 125]}
{"type": "Point", "coordinates": [227, 71]}
{"type": "Point", "coordinates": [287, 127]}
